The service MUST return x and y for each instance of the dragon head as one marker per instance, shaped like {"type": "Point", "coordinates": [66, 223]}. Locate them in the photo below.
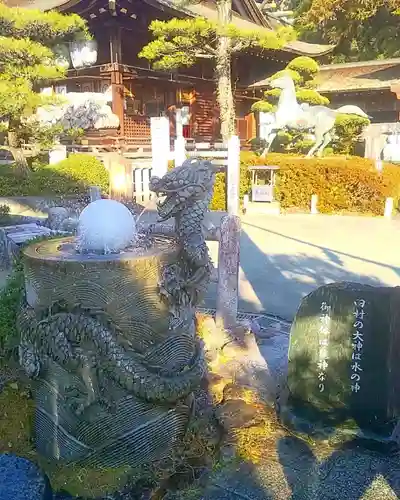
{"type": "Point", "coordinates": [183, 186]}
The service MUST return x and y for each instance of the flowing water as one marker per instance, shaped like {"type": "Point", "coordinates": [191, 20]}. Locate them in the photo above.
{"type": "Point", "coordinates": [151, 204]}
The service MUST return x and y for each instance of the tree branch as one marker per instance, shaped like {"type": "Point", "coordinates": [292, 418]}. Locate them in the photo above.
{"type": "Point", "coordinates": [210, 49]}
{"type": "Point", "coordinates": [241, 45]}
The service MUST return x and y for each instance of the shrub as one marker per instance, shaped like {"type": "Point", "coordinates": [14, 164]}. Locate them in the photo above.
{"type": "Point", "coordinates": [296, 77]}
{"type": "Point", "coordinates": [305, 66]}
{"type": "Point", "coordinates": [10, 299]}
{"type": "Point", "coordinates": [80, 171]}
{"type": "Point", "coordinates": [257, 145]}
{"type": "Point", "coordinates": [348, 129]}
{"type": "Point", "coordinates": [312, 97]}
{"type": "Point", "coordinates": [68, 177]}
{"type": "Point", "coordinates": [303, 71]}
{"type": "Point", "coordinates": [342, 185]}
{"type": "Point", "coordinates": [218, 201]}
{"type": "Point", "coordinates": [263, 107]}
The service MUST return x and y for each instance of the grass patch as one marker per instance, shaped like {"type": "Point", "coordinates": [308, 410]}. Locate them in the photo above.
{"type": "Point", "coordinates": [16, 436]}
{"type": "Point", "coordinates": [16, 421]}
{"type": "Point", "coordinates": [10, 299]}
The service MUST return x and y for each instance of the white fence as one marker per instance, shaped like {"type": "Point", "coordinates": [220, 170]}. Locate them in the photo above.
{"type": "Point", "coordinates": [141, 174]}
{"type": "Point", "coordinates": [140, 162]}
{"type": "Point", "coordinates": [142, 168]}
{"type": "Point", "coordinates": [141, 178]}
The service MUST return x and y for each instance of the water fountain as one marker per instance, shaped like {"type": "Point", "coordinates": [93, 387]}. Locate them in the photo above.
{"type": "Point", "coordinates": [108, 327]}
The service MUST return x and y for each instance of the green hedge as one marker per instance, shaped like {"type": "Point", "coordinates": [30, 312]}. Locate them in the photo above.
{"type": "Point", "coordinates": [342, 184]}
{"type": "Point", "coordinates": [218, 201]}
{"type": "Point", "coordinates": [69, 177]}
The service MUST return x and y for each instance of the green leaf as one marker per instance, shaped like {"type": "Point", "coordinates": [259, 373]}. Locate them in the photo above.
{"type": "Point", "coordinates": [27, 38]}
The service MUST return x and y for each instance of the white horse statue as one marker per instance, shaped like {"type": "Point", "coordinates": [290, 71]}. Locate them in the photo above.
{"type": "Point", "coordinates": [303, 117]}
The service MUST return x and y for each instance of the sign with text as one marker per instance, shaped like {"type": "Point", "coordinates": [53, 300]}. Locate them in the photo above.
{"type": "Point", "coordinates": [341, 366]}
{"type": "Point", "coordinates": [262, 193]}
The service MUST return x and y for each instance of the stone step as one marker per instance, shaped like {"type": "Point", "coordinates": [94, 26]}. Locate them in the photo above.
{"type": "Point", "coordinates": [12, 237]}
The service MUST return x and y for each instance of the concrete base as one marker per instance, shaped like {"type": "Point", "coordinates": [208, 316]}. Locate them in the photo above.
{"type": "Point", "coordinates": [257, 207]}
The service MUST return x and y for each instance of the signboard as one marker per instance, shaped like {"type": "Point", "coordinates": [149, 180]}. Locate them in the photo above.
{"type": "Point", "coordinates": [262, 193]}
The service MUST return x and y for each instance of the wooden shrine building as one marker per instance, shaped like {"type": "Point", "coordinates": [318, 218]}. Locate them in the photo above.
{"type": "Point", "coordinates": [371, 85]}
{"type": "Point", "coordinates": [120, 28]}
{"type": "Point", "coordinates": [374, 86]}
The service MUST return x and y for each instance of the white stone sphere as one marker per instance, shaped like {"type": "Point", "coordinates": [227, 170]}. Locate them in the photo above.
{"type": "Point", "coordinates": [105, 226]}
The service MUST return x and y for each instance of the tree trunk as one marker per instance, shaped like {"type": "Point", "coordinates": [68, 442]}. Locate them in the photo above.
{"type": "Point", "coordinates": [223, 72]}
{"type": "Point", "coordinates": [21, 164]}
{"type": "Point", "coordinates": [14, 146]}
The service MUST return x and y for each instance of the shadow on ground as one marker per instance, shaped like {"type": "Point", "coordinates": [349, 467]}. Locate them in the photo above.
{"type": "Point", "coordinates": [292, 468]}
{"type": "Point", "coordinates": [280, 281]}
{"type": "Point", "coordinates": [288, 467]}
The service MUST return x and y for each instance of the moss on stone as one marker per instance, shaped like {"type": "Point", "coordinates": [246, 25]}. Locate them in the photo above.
{"type": "Point", "coordinates": [16, 436]}
{"type": "Point", "coordinates": [86, 482]}
{"type": "Point", "coordinates": [254, 442]}
{"type": "Point", "coordinates": [10, 298]}
{"type": "Point", "coordinates": [16, 417]}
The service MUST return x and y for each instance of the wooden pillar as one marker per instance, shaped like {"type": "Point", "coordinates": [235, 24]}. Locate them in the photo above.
{"type": "Point", "coordinates": [117, 83]}
{"type": "Point", "coordinates": [193, 114]}
{"type": "Point", "coordinates": [251, 126]}
{"type": "Point", "coordinates": [395, 88]}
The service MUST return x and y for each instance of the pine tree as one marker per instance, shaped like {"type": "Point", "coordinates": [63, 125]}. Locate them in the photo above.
{"type": "Point", "coordinates": [28, 61]}
{"type": "Point", "coordinates": [181, 42]}
{"type": "Point", "coordinates": [303, 71]}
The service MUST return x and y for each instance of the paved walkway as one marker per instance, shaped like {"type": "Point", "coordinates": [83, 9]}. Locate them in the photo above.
{"type": "Point", "coordinates": [285, 257]}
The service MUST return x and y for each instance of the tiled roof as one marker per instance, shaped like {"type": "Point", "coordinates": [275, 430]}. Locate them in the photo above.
{"type": "Point", "coordinates": [201, 10]}
{"type": "Point", "coordinates": [370, 75]}
{"type": "Point", "coordinates": [40, 4]}
{"type": "Point", "coordinates": [367, 75]}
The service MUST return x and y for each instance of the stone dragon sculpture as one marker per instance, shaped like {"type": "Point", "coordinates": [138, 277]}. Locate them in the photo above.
{"type": "Point", "coordinates": [185, 193]}
{"type": "Point", "coordinates": [93, 371]}
{"type": "Point", "coordinates": [131, 371]}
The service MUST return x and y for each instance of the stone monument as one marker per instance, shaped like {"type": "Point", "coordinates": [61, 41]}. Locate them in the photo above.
{"type": "Point", "coordinates": [343, 374]}
{"type": "Point", "coordinates": [108, 331]}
